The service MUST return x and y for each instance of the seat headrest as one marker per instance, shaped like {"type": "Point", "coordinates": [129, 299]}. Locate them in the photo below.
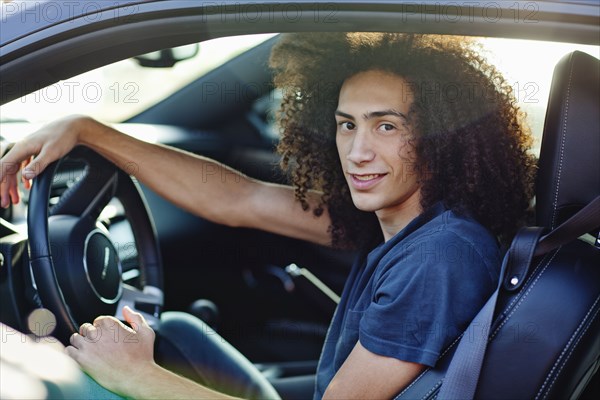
{"type": "Point", "coordinates": [569, 164]}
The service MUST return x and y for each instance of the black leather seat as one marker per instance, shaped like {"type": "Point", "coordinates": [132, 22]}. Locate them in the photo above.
{"type": "Point", "coordinates": [545, 338]}
{"type": "Point", "coordinates": [568, 179]}
{"type": "Point", "coordinates": [569, 289]}
{"type": "Point", "coordinates": [569, 164]}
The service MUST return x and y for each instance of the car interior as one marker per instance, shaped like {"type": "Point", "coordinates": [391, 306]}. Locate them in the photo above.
{"type": "Point", "coordinates": [262, 292]}
{"type": "Point", "coordinates": [234, 279]}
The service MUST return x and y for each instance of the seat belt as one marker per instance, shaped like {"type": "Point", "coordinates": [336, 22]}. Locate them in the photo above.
{"type": "Point", "coordinates": [460, 381]}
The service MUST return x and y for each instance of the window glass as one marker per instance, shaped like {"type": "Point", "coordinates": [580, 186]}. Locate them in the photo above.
{"type": "Point", "coordinates": [528, 66]}
{"type": "Point", "coordinates": [116, 92]}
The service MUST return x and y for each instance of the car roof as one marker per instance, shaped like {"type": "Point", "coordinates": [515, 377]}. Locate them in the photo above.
{"type": "Point", "coordinates": [23, 18]}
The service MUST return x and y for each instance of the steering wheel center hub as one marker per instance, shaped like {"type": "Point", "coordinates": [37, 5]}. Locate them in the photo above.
{"type": "Point", "coordinates": [102, 267]}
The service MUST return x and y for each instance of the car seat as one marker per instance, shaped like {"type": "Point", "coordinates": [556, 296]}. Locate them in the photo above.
{"type": "Point", "coordinates": [544, 340]}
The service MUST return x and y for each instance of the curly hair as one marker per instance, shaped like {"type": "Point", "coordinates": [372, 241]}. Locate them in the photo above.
{"type": "Point", "coordinates": [471, 143]}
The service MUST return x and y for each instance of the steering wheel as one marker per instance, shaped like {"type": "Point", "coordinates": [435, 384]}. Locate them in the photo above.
{"type": "Point", "coordinates": [74, 264]}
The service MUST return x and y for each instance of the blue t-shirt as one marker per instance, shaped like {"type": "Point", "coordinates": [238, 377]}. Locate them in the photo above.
{"type": "Point", "coordinates": [411, 296]}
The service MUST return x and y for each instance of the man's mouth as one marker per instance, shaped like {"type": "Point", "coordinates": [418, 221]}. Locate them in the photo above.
{"type": "Point", "coordinates": [366, 177]}
{"type": "Point", "coordinates": [365, 181]}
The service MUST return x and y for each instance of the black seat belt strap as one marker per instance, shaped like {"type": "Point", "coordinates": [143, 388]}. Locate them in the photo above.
{"type": "Point", "coordinates": [460, 381]}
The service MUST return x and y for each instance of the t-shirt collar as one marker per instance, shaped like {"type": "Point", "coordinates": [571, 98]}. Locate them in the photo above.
{"type": "Point", "coordinates": [430, 213]}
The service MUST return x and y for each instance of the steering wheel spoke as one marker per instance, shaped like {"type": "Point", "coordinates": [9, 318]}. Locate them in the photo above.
{"type": "Point", "coordinates": [87, 196]}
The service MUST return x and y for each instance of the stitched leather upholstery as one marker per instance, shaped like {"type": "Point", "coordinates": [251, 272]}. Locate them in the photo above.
{"type": "Point", "coordinates": [569, 164]}
{"type": "Point", "coordinates": [545, 338]}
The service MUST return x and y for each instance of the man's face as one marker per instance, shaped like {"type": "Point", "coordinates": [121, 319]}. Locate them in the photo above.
{"type": "Point", "coordinates": [373, 142]}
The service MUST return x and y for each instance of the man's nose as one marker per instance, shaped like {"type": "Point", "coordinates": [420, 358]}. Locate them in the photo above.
{"type": "Point", "coordinates": [361, 150]}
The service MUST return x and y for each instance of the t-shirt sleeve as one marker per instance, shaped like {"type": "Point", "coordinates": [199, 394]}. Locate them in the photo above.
{"type": "Point", "coordinates": [425, 295]}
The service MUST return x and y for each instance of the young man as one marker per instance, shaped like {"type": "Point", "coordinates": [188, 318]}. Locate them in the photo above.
{"type": "Point", "coordinates": [408, 148]}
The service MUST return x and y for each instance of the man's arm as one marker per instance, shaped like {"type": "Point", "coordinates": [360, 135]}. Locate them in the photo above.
{"type": "Point", "coordinates": [122, 360]}
{"type": "Point", "coordinates": [366, 375]}
{"type": "Point", "coordinates": [167, 385]}
{"type": "Point", "coordinates": [196, 184]}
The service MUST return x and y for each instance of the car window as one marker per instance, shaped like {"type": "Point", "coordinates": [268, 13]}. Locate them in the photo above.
{"type": "Point", "coordinates": [526, 64]}
{"type": "Point", "coordinates": [116, 92]}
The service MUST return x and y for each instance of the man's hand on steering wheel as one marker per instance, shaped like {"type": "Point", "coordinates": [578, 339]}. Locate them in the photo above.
{"type": "Point", "coordinates": [34, 153]}
{"type": "Point", "coordinates": [107, 349]}
{"type": "Point", "coordinates": [75, 266]}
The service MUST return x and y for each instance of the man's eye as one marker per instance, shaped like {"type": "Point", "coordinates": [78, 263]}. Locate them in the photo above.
{"type": "Point", "coordinates": [347, 125]}
{"type": "Point", "coordinates": [386, 127]}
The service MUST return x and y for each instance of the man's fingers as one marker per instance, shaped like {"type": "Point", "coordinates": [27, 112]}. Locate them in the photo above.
{"type": "Point", "coordinates": [135, 319]}
{"type": "Point", "coordinates": [26, 162]}
{"type": "Point", "coordinates": [71, 351]}
{"type": "Point", "coordinates": [86, 329]}
{"type": "Point", "coordinates": [3, 193]}
{"type": "Point", "coordinates": [13, 192]}
{"type": "Point", "coordinates": [20, 152]}
{"type": "Point", "coordinates": [76, 354]}
{"type": "Point", "coordinates": [7, 188]}
{"type": "Point", "coordinates": [37, 165]}
{"type": "Point", "coordinates": [26, 182]}
{"type": "Point", "coordinates": [31, 153]}
{"type": "Point", "coordinates": [76, 340]}
{"type": "Point", "coordinates": [18, 156]}
{"type": "Point", "coordinates": [8, 168]}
